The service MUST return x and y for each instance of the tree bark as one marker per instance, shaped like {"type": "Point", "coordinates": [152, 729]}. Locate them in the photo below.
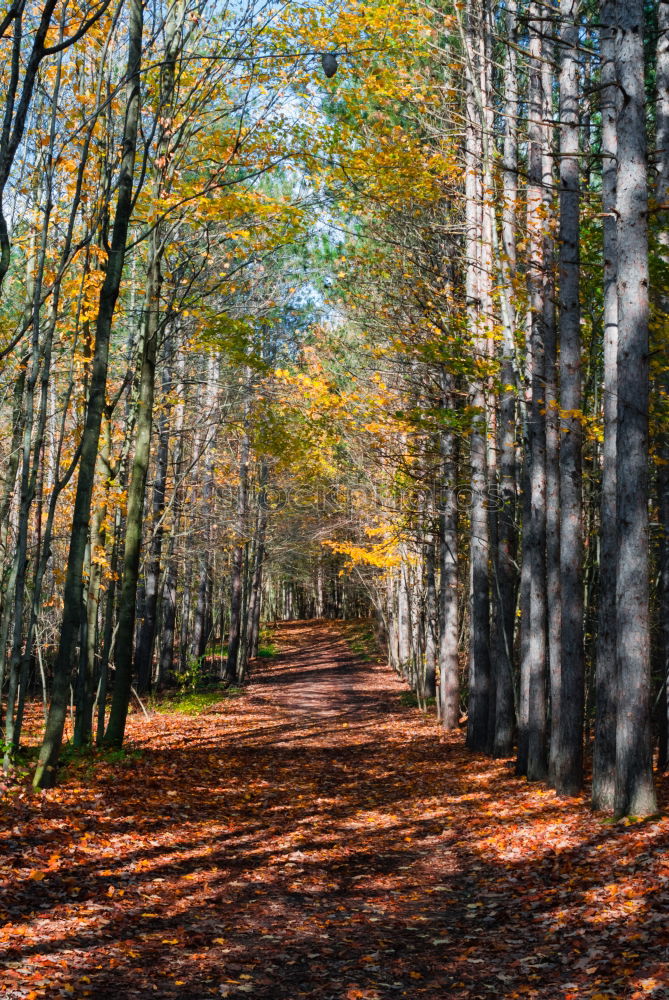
{"type": "Point", "coordinates": [134, 522]}
{"type": "Point", "coordinates": [535, 535]}
{"type": "Point", "coordinates": [567, 728]}
{"type": "Point", "coordinates": [144, 654]}
{"type": "Point", "coordinates": [634, 790]}
{"type": "Point", "coordinates": [45, 774]}
{"type": "Point", "coordinates": [604, 750]}
{"type": "Point", "coordinates": [479, 655]}
{"type": "Point", "coordinates": [236, 576]}
{"type": "Point", "coordinates": [662, 199]}
{"type": "Point", "coordinates": [505, 570]}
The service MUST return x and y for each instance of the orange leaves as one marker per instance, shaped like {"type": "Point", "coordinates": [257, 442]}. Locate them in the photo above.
{"type": "Point", "coordinates": [324, 839]}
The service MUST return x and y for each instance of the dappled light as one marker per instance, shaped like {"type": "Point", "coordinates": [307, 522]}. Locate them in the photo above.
{"type": "Point", "coordinates": [317, 838]}
{"type": "Point", "coordinates": [334, 499]}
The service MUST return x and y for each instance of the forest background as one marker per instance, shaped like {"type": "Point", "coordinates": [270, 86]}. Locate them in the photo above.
{"type": "Point", "coordinates": [331, 311]}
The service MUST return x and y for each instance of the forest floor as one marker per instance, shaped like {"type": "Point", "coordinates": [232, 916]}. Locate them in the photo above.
{"type": "Point", "coordinates": [318, 837]}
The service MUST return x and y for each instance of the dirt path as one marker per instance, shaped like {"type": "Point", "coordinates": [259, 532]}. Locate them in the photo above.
{"type": "Point", "coordinates": [318, 839]}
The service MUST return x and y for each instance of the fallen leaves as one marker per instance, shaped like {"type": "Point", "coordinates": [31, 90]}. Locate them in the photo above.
{"type": "Point", "coordinates": [317, 839]}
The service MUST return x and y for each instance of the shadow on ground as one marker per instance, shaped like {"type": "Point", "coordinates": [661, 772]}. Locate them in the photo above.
{"type": "Point", "coordinates": [316, 839]}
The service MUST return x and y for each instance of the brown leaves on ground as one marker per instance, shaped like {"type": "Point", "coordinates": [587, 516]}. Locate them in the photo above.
{"type": "Point", "coordinates": [317, 839]}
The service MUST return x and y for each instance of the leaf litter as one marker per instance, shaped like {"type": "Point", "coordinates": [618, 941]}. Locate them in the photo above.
{"type": "Point", "coordinates": [317, 838]}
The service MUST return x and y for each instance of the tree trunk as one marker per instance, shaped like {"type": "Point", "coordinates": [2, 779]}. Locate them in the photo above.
{"type": "Point", "coordinates": [144, 655]}
{"type": "Point", "coordinates": [45, 774]}
{"type": "Point", "coordinates": [662, 198]}
{"type": "Point", "coordinates": [567, 732]}
{"type": "Point", "coordinates": [604, 751]}
{"type": "Point", "coordinates": [449, 674]}
{"type": "Point", "coordinates": [431, 617]}
{"type": "Point", "coordinates": [525, 620]}
{"type": "Point", "coordinates": [255, 588]}
{"type": "Point", "coordinates": [535, 536]}
{"type": "Point", "coordinates": [505, 571]}
{"type": "Point", "coordinates": [479, 656]}
{"type": "Point", "coordinates": [133, 529]}
{"type": "Point", "coordinates": [634, 791]}
{"type": "Point", "coordinates": [236, 575]}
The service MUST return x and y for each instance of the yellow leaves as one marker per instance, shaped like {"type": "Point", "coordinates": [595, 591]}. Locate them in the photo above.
{"type": "Point", "coordinates": [650, 983]}
{"type": "Point", "coordinates": [100, 558]}
{"type": "Point", "coordinates": [36, 875]}
{"type": "Point", "coordinates": [383, 555]}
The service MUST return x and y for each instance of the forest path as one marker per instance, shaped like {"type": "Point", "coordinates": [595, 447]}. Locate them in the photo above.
{"type": "Point", "coordinates": [317, 838]}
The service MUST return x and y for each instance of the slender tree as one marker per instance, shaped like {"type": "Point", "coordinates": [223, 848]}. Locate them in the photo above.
{"type": "Point", "coordinates": [634, 790]}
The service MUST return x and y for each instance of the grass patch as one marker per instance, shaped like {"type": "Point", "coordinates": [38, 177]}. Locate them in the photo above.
{"type": "Point", "coordinates": [409, 699]}
{"type": "Point", "coordinates": [196, 702]}
{"type": "Point", "coordinates": [109, 755]}
{"type": "Point", "coordinates": [216, 652]}
{"type": "Point", "coordinates": [362, 639]}
{"type": "Point", "coordinates": [83, 760]}
{"type": "Point", "coordinates": [267, 650]}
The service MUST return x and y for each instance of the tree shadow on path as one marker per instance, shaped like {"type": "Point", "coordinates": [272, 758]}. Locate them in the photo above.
{"type": "Point", "coordinates": [317, 839]}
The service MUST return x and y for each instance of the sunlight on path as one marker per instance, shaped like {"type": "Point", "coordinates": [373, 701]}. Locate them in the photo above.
{"type": "Point", "coordinates": [318, 839]}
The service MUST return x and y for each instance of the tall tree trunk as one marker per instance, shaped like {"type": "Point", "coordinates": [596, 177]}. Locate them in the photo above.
{"type": "Point", "coordinates": [535, 536]}
{"type": "Point", "coordinates": [604, 751]}
{"type": "Point", "coordinates": [144, 655]}
{"type": "Point", "coordinates": [403, 621]}
{"type": "Point", "coordinates": [169, 605]}
{"type": "Point", "coordinates": [200, 631]}
{"type": "Point", "coordinates": [107, 635]}
{"type": "Point", "coordinates": [634, 791]}
{"type": "Point", "coordinates": [169, 594]}
{"type": "Point", "coordinates": [479, 657]}
{"type": "Point", "coordinates": [525, 594]}
{"type": "Point", "coordinates": [83, 726]}
{"type": "Point", "coordinates": [662, 198]}
{"type": "Point", "coordinates": [6, 495]}
{"type": "Point", "coordinates": [236, 576]}
{"type": "Point", "coordinates": [449, 676]}
{"type": "Point", "coordinates": [144, 425]}
{"type": "Point", "coordinates": [430, 616]}
{"type": "Point", "coordinates": [134, 522]}
{"type": "Point", "coordinates": [45, 774]}
{"type": "Point", "coordinates": [505, 570]}
{"type": "Point", "coordinates": [567, 732]}
{"type": "Point", "coordinates": [255, 587]}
